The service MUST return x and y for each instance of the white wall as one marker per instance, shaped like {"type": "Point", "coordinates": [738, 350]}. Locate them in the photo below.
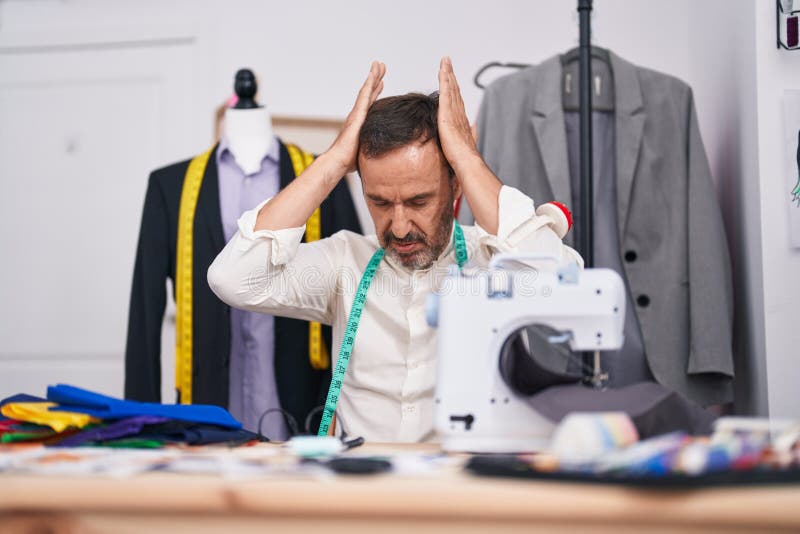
{"type": "Point", "coordinates": [312, 55]}
{"type": "Point", "coordinates": [82, 126]}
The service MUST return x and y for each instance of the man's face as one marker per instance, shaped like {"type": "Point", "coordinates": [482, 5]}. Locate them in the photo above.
{"type": "Point", "coordinates": [410, 197]}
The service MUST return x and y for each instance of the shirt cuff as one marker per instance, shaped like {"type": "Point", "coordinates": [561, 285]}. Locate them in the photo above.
{"type": "Point", "coordinates": [514, 210]}
{"type": "Point", "coordinates": [283, 243]}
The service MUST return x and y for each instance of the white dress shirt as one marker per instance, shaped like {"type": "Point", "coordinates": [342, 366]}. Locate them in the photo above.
{"type": "Point", "coordinates": [389, 386]}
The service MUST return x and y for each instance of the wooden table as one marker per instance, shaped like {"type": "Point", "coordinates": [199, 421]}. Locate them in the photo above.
{"type": "Point", "coordinates": [449, 500]}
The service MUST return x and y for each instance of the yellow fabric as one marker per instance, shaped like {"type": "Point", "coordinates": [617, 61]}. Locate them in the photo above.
{"type": "Point", "coordinates": [39, 413]}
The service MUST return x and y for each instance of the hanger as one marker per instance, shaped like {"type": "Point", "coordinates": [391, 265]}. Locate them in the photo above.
{"type": "Point", "coordinates": [568, 57]}
{"type": "Point", "coordinates": [602, 80]}
{"type": "Point", "coordinates": [574, 54]}
{"type": "Point", "coordinates": [603, 97]}
{"type": "Point", "coordinates": [492, 65]}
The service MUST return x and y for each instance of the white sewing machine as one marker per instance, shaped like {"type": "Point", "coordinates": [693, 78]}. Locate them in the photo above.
{"type": "Point", "coordinates": [476, 410]}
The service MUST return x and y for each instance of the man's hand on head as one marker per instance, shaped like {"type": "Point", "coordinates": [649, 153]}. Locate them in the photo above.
{"type": "Point", "coordinates": [344, 150]}
{"type": "Point", "coordinates": [455, 133]}
{"type": "Point", "coordinates": [295, 203]}
{"type": "Point", "coordinates": [459, 144]}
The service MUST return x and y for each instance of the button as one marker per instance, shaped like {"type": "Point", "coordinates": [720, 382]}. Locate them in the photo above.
{"type": "Point", "coordinates": [413, 365]}
{"type": "Point", "coordinates": [411, 408]}
{"type": "Point", "coordinates": [630, 256]}
{"type": "Point", "coordinates": [643, 301]}
{"type": "Point", "coordinates": [432, 309]}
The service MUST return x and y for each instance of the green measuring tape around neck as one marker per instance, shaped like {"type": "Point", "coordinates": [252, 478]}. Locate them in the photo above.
{"type": "Point", "coordinates": [459, 244]}
{"type": "Point", "coordinates": [349, 337]}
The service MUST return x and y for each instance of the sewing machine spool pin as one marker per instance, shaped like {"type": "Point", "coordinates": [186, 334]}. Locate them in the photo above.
{"type": "Point", "coordinates": [599, 378]}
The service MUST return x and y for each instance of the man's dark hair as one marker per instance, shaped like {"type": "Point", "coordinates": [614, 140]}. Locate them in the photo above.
{"type": "Point", "coordinates": [397, 121]}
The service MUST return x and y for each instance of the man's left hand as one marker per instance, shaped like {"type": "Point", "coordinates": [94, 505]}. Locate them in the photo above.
{"type": "Point", "coordinates": [480, 186]}
{"type": "Point", "coordinates": [455, 132]}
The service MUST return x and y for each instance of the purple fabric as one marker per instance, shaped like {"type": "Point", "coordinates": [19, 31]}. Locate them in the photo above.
{"type": "Point", "coordinates": [252, 371]}
{"type": "Point", "coordinates": [118, 429]}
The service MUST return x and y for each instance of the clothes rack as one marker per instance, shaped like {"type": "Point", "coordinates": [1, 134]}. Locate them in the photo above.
{"type": "Point", "coordinates": [584, 51]}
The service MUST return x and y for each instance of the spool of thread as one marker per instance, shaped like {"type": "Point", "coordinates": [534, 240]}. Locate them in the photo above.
{"type": "Point", "coordinates": [585, 437]}
{"type": "Point", "coordinates": [314, 446]}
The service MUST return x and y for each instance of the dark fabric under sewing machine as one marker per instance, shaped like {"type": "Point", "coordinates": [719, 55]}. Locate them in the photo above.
{"type": "Point", "coordinates": [653, 408]}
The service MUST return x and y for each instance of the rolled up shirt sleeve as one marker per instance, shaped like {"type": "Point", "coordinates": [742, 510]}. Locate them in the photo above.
{"type": "Point", "coordinates": [272, 271]}
{"type": "Point", "coordinates": [521, 230]}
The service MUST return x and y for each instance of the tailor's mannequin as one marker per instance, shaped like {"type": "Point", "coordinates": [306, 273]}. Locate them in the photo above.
{"type": "Point", "coordinates": [248, 126]}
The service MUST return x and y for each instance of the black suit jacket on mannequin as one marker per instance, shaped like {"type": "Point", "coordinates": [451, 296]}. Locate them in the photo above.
{"type": "Point", "coordinates": [300, 388]}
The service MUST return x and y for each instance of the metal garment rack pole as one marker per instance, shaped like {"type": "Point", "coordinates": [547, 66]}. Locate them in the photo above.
{"type": "Point", "coordinates": [585, 246]}
{"type": "Point", "coordinates": [591, 360]}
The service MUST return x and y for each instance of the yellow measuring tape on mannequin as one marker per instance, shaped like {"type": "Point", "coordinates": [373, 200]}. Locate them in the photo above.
{"type": "Point", "coordinates": [317, 351]}
{"type": "Point", "coordinates": [184, 282]}
{"type": "Point", "coordinates": [183, 276]}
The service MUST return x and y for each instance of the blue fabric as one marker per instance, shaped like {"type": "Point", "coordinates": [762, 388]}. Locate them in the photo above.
{"type": "Point", "coordinates": [20, 397]}
{"type": "Point", "coordinates": [80, 400]}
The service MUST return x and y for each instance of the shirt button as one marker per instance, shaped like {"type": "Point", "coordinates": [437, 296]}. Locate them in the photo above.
{"type": "Point", "coordinates": [411, 408]}
{"type": "Point", "coordinates": [643, 301]}
{"type": "Point", "coordinates": [413, 365]}
{"type": "Point", "coordinates": [630, 256]}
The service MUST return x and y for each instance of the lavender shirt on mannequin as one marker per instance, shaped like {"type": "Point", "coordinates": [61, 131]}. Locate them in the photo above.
{"type": "Point", "coordinates": [252, 371]}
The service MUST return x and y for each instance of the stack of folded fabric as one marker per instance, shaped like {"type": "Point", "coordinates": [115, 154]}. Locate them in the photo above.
{"type": "Point", "coordinates": [71, 417]}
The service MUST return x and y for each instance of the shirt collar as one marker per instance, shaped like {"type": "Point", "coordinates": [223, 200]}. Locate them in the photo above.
{"type": "Point", "coordinates": [224, 151]}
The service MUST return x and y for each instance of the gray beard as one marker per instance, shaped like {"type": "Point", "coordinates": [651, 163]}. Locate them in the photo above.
{"type": "Point", "coordinates": [426, 257]}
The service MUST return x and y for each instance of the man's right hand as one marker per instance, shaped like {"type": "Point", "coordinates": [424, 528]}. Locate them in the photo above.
{"type": "Point", "coordinates": [293, 205]}
{"type": "Point", "coordinates": [344, 150]}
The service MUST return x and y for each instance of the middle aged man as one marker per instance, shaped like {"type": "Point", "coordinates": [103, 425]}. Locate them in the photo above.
{"type": "Point", "coordinates": [416, 155]}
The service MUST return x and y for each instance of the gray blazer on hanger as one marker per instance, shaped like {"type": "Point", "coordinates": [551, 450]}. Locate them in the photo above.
{"type": "Point", "coordinates": [671, 230]}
